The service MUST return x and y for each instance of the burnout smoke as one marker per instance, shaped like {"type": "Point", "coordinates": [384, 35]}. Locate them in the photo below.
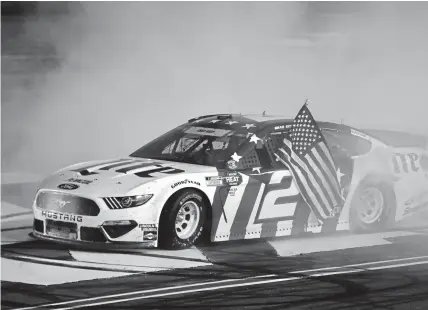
{"type": "Point", "coordinates": [130, 71]}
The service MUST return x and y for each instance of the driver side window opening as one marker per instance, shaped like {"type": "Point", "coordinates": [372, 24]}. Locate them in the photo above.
{"type": "Point", "coordinates": [274, 142]}
{"type": "Point", "coordinates": [256, 156]}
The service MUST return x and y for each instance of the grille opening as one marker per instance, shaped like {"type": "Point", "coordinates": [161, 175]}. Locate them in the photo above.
{"type": "Point", "coordinates": [38, 226]}
{"type": "Point", "coordinates": [61, 224]}
{"type": "Point", "coordinates": [66, 203]}
{"type": "Point", "coordinates": [92, 234]}
{"type": "Point", "coordinates": [116, 231]}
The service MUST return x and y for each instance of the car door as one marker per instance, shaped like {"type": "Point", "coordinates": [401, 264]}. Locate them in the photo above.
{"type": "Point", "coordinates": [269, 197]}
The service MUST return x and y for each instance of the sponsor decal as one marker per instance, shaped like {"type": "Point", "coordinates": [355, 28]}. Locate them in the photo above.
{"type": "Point", "coordinates": [127, 166]}
{"type": "Point", "coordinates": [230, 179]}
{"type": "Point", "coordinates": [62, 217]}
{"type": "Point", "coordinates": [150, 235]}
{"type": "Point", "coordinates": [68, 186]}
{"type": "Point", "coordinates": [282, 127]}
{"type": "Point", "coordinates": [232, 191]}
{"type": "Point", "coordinates": [79, 181]}
{"type": "Point", "coordinates": [232, 165]}
{"type": "Point", "coordinates": [143, 226]}
{"type": "Point", "coordinates": [406, 163]}
{"type": "Point", "coordinates": [185, 182]}
{"type": "Point", "coordinates": [214, 181]}
{"type": "Point", "coordinates": [150, 231]}
{"type": "Point", "coordinates": [205, 131]}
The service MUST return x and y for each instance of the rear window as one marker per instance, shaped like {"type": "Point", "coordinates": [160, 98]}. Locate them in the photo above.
{"type": "Point", "coordinates": [353, 145]}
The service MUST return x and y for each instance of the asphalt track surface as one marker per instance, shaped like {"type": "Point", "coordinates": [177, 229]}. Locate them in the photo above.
{"type": "Point", "coordinates": [241, 274]}
{"type": "Point", "coordinates": [246, 275]}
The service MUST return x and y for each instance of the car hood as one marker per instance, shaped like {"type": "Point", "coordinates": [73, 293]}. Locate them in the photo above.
{"type": "Point", "coordinates": [119, 176]}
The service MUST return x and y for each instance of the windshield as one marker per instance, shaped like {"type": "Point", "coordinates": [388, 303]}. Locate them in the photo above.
{"type": "Point", "coordinates": [194, 145]}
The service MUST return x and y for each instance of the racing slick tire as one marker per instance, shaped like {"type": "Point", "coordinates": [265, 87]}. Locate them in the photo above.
{"type": "Point", "coordinates": [182, 220]}
{"type": "Point", "coordinates": [373, 207]}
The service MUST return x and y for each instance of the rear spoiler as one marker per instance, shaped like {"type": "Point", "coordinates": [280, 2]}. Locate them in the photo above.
{"type": "Point", "coordinates": [398, 138]}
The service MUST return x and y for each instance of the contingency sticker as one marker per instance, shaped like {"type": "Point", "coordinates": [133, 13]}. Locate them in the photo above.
{"type": "Point", "coordinates": [230, 179]}
{"type": "Point", "coordinates": [150, 231]}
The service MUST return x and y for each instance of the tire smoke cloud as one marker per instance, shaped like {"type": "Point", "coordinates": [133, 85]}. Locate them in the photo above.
{"type": "Point", "coordinates": [130, 71]}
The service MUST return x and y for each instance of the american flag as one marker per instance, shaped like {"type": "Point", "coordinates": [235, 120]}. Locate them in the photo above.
{"type": "Point", "coordinates": [306, 154]}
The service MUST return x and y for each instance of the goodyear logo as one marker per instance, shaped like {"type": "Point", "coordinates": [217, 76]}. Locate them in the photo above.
{"type": "Point", "coordinates": [185, 182]}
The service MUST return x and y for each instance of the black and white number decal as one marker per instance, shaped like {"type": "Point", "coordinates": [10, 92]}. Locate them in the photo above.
{"type": "Point", "coordinates": [279, 199]}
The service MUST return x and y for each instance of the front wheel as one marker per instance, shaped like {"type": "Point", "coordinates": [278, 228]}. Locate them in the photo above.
{"type": "Point", "coordinates": [182, 220]}
{"type": "Point", "coordinates": [373, 207]}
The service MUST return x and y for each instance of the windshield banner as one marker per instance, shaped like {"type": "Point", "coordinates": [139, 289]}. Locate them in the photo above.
{"type": "Point", "coordinates": [205, 131]}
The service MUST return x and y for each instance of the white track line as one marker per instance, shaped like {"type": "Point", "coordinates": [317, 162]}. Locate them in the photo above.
{"type": "Point", "coordinates": [76, 264]}
{"type": "Point", "coordinates": [182, 292]}
{"type": "Point", "coordinates": [140, 292]}
{"type": "Point", "coordinates": [181, 288]}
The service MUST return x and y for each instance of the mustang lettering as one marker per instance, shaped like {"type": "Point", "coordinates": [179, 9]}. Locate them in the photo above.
{"type": "Point", "coordinates": [62, 217]}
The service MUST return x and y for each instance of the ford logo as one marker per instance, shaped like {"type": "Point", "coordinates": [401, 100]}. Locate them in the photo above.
{"type": "Point", "coordinates": [68, 186]}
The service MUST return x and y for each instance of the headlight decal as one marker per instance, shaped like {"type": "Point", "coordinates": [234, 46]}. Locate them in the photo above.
{"type": "Point", "coordinates": [126, 201]}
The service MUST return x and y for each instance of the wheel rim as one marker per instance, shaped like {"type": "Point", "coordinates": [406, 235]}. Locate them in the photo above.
{"type": "Point", "coordinates": [372, 205]}
{"type": "Point", "coordinates": [187, 220]}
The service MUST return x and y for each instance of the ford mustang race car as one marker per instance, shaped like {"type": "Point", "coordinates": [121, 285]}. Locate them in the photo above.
{"type": "Point", "coordinates": [216, 178]}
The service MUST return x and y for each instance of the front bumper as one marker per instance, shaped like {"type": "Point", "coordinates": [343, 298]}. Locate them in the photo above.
{"type": "Point", "coordinates": [133, 227]}
{"type": "Point", "coordinates": [82, 236]}
{"type": "Point", "coordinates": [83, 245]}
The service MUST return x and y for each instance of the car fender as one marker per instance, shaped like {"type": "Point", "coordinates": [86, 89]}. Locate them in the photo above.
{"type": "Point", "coordinates": [166, 188]}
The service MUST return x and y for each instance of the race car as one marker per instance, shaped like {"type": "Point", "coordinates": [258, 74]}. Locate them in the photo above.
{"type": "Point", "coordinates": [217, 178]}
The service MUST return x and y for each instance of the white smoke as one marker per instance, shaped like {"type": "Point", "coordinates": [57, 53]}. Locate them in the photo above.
{"type": "Point", "coordinates": [132, 70]}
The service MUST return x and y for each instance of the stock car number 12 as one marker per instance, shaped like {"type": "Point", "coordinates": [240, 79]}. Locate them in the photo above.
{"type": "Point", "coordinates": [279, 198]}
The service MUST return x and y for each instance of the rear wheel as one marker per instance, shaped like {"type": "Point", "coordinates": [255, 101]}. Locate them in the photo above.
{"type": "Point", "coordinates": [182, 220]}
{"type": "Point", "coordinates": [373, 207]}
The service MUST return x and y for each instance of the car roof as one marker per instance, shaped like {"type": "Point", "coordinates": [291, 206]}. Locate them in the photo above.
{"type": "Point", "coordinates": [269, 122]}
{"type": "Point", "coordinates": [261, 122]}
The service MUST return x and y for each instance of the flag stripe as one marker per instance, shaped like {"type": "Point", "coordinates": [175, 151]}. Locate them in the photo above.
{"type": "Point", "coordinates": [328, 160]}
{"type": "Point", "coordinates": [316, 183]}
{"type": "Point", "coordinates": [301, 176]}
{"type": "Point", "coordinates": [321, 178]}
{"type": "Point", "coordinates": [324, 168]}
{"type": "Point", "coordinates": [301, 184]}
{"type": "Point", "coordinates": [332, 179]}
{"type": "Point", "coordinates": [331, 171]}
{"type": "Point", "coordinates": [306, 153]}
